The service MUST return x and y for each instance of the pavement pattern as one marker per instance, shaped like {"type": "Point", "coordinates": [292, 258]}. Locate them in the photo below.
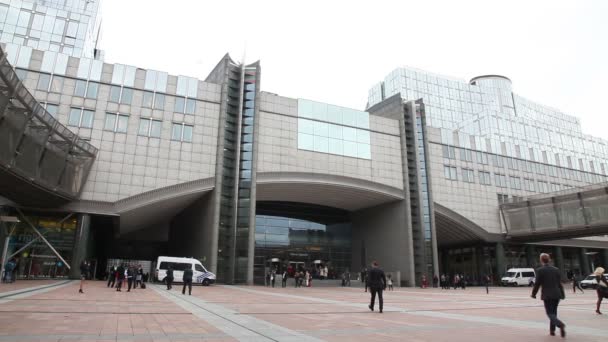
{"type": "Point", "coordinates": [55, 311]}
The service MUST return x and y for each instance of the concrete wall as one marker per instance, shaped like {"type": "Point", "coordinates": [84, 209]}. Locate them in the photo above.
{"type": "Point", "coordinates": [278, 146]}
{"type": "Point", "coordinates": [127, 163]}
{"type": "Point", "coordinates": [384, 233]}
{"type": "Point", "coordinates": [191, 231]}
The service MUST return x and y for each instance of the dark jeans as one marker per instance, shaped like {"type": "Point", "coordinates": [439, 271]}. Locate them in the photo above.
{"type": "Point", "coordinates": [380, 299]}
{"type": "Point", "coordinates": [187, 282]}
{"type": "Point", "coordinates": [551, 310]}
{"type": "Point", "coordinates": [576, 284]}
{"type": "Point", "coordinates": [119, 284]}
{"type": "Point", "coordinates": [169, 283]}
{"type": "Point", "coordinates": [129, 283]}
{"type": "Point", "coordinates": [111, 281]}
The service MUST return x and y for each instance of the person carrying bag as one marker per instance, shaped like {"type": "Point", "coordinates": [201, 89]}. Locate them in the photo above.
{"type": "Point", "coordinates": [602, 288]}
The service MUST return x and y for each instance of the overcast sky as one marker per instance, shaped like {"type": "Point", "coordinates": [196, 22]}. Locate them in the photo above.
{"type": "Point", "coordinates": [555, 52]}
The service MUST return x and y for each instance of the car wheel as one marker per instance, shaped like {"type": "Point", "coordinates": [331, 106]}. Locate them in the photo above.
{"type": "Point", "coordinates": [206, 282]}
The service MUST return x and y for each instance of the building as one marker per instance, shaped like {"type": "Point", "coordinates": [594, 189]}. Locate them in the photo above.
{"type": "Point", "coordinates": [109, 161]}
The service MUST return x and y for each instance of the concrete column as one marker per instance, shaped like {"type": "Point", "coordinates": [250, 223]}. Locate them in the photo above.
{"type": "Point", "coordinates": [558, 259]}
{"type": "Point", "coordinates": [530, 256]}
{"type": "Point", "coordinates": [500, 260]}
{"type": "Point", "coordinates": [81, 241]}
{"type": "Point", "coordinates": [584, 261]}
{"type": "Point", "coordinates": [604, 259]}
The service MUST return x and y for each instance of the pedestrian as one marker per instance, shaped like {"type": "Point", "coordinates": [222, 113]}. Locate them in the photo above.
{"type": "Point", "coordinates": [8, 271]}
{"type": "Point", "coordinates": [284, 279]}
{"type": "Point", "coordinates": [549, 278]}
{"type": "Point", "coordinates": [456, 281]}
{"type": "Point", "coordinates": [188, 273]}
{"type": "Point", "coordinates": [169, 277]}
{"type": "Point", "coordinates": [347, 278]}
{"type": "Point", "coordinates": [390, 282]}
{"type": "Point", "coordinates": [111, 276]}
{"type": "Point", "coordinates": [130, 277]}
{"type": "Point", "coordinates": [268, 278]}
{"type": "Point", "coordinates": [442, 281]}
{"type": "Point", "coordinates": [435, 280]}
{"type": "Point", "coordinates": [84, 271]}
{"type": "Point", "coordinates": [273, 276]}
{"type": "Point", "coordinates": [602, 288]}
{"type": "Point", "coordinates": [377, 284]}
{"type": "Point", "coordinates": [139, 276]}
{"type": "Point", "coordinates": [463, 281]}
{"type": "Point", "coordinates": [120, 277]}
{"type": "Point", "coordinates": [576, 284]}
{"type": "Point", "coordinates": [423, 282]}
{"type": "Point", "coordinates": [486, 282]}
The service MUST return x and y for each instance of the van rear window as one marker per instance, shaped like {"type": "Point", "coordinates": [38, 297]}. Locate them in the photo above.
{"type": "Point", "coordinates": [177, 266]}
{"type": "Point", "coordinates": [528, 274]}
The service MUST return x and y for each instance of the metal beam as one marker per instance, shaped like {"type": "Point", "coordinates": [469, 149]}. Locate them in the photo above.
{"type": "Point", "coordinates": [42, 237]}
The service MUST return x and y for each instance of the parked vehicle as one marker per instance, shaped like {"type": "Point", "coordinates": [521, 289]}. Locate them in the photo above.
{"type": "Point", "coordinates": [179, 265]}
{"type": "Point", "coordinates": [590, 281]}
{"type": "Point", "coordinates": [519, 277]}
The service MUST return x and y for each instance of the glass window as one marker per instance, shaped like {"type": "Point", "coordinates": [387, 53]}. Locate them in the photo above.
{"type": "Point", "coordinates": [43, 82]}
{"type": "Point", "coordinates": [110, 122]}
{"type": "Point", "coordinates": [321, 144]}
{"type": "Point", "coordinates": [159, 101]}
{"type": "Point", "coordinates": [87, 118]}
{"type": "Point", "coordinates": [336, 146]}
{"type": "Point", "coordinates": [306, 126]}
{"type": "Point", "coordinates": [364, 151]}
{"type": "Point", "coordinates": [305, 141]}
{"type": "Point", "coordinates": [179, 104]}
{"type": "Point", "coordinates": [56, 84]}
{"type": "Point", "coordinates": [52, 109]}
{"type": "Point", "coordinates": [349, 134]}
{"type": "Point", "coordinates": [190, 106]}
{"type": "Point", "coordinates": [187, 133]}
{"type": "Point", "coordinates": [123, 121]}
{"type": "Point", "coordinates": [148, 99]}
{"type": "Point", "coordinates": [155, 129]}
{"type": "Point", "coordinates": [176, 132]}
{"type": "Point", "coordinates": [144, 125]}
{"type": "Point", "coordinates": [92, 90]}
{"type": "Point", "coordinates": [350, 149]}
{"type": "Point", "coordinates": [74, 117]}
{"type": "Point", "coordinates": [80, 88]}
{"type": "Point", "coordinates": [127, 95]}
{"type": "Point", "coordinates": [115, 94]}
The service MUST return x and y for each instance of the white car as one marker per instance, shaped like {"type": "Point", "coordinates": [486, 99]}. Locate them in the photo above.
{"type": "Point", "coordinates": [200, 275]}
{"type": "Point", "coordinates": [590, 281]}
{"type": "Point", "coordinates": [519, 277]}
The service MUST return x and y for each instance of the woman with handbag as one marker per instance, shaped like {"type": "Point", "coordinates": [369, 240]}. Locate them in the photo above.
{"type": "Point", "coordinates": [602, 288]}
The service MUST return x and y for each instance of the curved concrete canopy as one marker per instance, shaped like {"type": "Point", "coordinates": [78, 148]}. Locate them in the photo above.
{"type": "Point", "coordinates": [455, 229]}
{"type": "Point", "coordinates": [328, 190]}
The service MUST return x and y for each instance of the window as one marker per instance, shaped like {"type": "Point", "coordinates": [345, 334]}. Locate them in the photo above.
{"type": "Point", "coordinates": [543, 187]}
{"type": "Point", "coordinates": [199, 268]}
{"type": "Point", "coordinates": [56, 84]}
{"type": "Point", "coordinates": [450, 172]}
{"type": "Point", "coordinates": [466, 155]}
{"type": "Point", "coordinates": [150, 128]}
{"type": "Point", "coordinates": [176, 266]}
{"type": "Point", "coordinates": [116, 123]}
{"type": "Point", "coordinates": [21, 73]}
{"type": "Point", "coordinates": [529, 185]}
{"type": "Point", "coordinates": [484, 178]}
{"type": "Point", "coordinates": [502, 198]}
{"type": "Point", "coordinates": [449, 152]}
{"type": "Point", "coordinates": [335, 139]}
{"type": "Point", "coordinates": [468, 176]}
{"type": "Point", "coordinates": [43, 82]}
{"type": "Point", "coordinates": [181, 132]}
{"type": "Point", "coordinates": [482, 158]}
{"type": "Point", "coordinates": [86, 89]}
{"type": "Point", "coordinates": [515, 182]}
{"type": "Point", "coordinates": [185, 105]}
{"type": "Point", "coordinates": [51, 108]}
{"type": "Point", "coordinates": [121, 95]}
{"type": "Point", "coordinates": [153, 100]}
{"type": "Point", "coordinates": [81, 117]}
{"type": "Point", "coordinates": [512, 163]}
{"type": "Point", "coordinates": [501, 180]}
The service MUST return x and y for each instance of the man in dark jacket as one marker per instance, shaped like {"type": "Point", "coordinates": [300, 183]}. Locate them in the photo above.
{"type": "Point", "coordinates": [187, 281]}
{"type": "Point", "coordinates": [377, 284]}
{"type": "Point", "coordinates": [549, 278]}
{"type": "Point", "coordinates": [120, 277]}
{"type": "Point", "coordinates": [84, 272]}
{"type": "Point", "coordinates": [169, 277]}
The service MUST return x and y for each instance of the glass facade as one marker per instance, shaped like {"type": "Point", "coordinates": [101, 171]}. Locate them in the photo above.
{"type": "Point", "coordinates": [69, 27]}
{"type": "Point", "coordinates": [331, 129]}
{"type": "Point", "coordinates": [35, 258]}
{"type": "Point", "coordinates": [301, 235]}
{"type": "Point", "coordinates": [485, 115]}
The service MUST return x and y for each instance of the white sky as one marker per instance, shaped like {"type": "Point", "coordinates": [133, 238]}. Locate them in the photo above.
{"type": "Point", "coordinates": [555, 52]}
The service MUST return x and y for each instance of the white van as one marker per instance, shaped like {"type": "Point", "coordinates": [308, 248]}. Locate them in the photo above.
{"type": "Point", "coordinates": [179, 265]}
{"type": "Point", "coordinates": [519, 277]}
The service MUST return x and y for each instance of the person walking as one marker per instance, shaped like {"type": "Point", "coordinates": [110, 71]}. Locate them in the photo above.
{"type": "Point", "coordinates": [84, 271]}
{"type": "Point", "coordinates": [390, 282]}
{"type": "Point", "coordinates": [284, 279]}
{"type": "Point", "coordinates": [169, 277]}
{"type": "Point", "coordinates": [602, 288]}
{"type": "Point", "coordinates": [112, 277]}
{"type": "Point", "coordinates": [8, 271]}
{"type": "Point", "coordinates": [549, 278]}
{"type": "Point", "coordinates": [139, 276]}
{"type": "Point", "coordinates": [486, 282]}
{"type": "Point", "coordinates": [120, 277]}
{"type": "Point", "coordinates": [130, 278]}
{"type": "Point", "coordinates": [188, 273]}
{"type": "Point", "coordinates": [273, 277]}
{"type": "Point", "coordinates": [576, 284]}
{"type": "Point", "coordinates": [435, 281]}
{"type": "Point", "coordinates": [377, 284]}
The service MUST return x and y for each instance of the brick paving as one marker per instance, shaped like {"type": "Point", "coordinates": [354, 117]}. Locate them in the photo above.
{"type": "Point", "coordinates": [252, 313]}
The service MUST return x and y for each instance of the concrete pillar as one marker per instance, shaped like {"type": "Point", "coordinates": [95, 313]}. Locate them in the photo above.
{"type": "Point", "coordinates": [500, 260]}
{"type": "Point", "coordinates": [81, 241]}
{"type": "Point", "coordinates": [584, 262]}
{"type": "Point", "coordinates": [604, 258]}
{"type": "Point", "coordinates": [558, 259]}
{"type": "Point", "coordinates": [530, 256]}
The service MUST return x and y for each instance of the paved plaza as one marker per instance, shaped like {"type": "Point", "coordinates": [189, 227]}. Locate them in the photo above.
{"type": "Point", "coordinates": [55, 311]}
